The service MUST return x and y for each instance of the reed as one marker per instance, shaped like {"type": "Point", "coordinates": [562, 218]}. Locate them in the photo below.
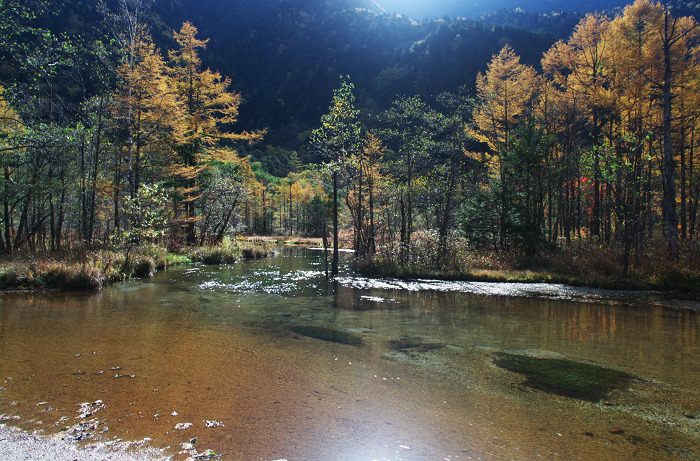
{"type": "Point", "coordinates": [50, 274]}
{"type": "Point", "coordinates": [583, 264]}
{"type": "Point", "coordinates": [79, 269]}
{"type": "Point", "coordinates": [230, 251]}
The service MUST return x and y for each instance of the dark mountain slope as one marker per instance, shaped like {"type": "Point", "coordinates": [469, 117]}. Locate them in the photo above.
{"type": "Point", "coordinates": [288, 63]}
{"type": "Point", "coordinates": [286, 56]}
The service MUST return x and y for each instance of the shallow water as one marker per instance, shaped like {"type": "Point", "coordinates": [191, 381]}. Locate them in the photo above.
{"type": "Point", "coordinates": [212, 347]}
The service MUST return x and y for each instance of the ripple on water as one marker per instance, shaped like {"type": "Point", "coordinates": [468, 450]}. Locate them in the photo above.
{"type": "Point", "coordinates": [529, 290]}
{"type": "Point", "coordinates": [274, 281]}
{"type": "Point", "coordinates": [270, 282]}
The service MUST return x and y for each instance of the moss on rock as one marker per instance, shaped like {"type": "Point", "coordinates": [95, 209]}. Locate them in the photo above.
{"type": "Point", "coordinates": [328, 334]}
{"type": "Point", "coordinates": [564, 377]}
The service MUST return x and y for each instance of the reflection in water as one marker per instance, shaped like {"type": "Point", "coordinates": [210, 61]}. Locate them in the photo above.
{"type": "Point", "coordinates": [169, 356]}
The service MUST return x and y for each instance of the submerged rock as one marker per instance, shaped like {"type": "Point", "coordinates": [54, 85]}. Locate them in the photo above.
{"type": "Point", "coordinates": [414, 344]}
{"type": "Point", "coordinates": [564, 377]}
{"type": "Point", "coordinates": [328, 334]}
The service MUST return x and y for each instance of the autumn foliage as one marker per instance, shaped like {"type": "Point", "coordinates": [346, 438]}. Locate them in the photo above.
{"type": "Point", "coordinates": [595, 147]}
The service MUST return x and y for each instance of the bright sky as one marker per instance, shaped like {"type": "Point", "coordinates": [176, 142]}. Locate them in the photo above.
{"type": "Point", "coordinates": [430, 9]}
{"type": "Point", "coordinates": [435, 9]}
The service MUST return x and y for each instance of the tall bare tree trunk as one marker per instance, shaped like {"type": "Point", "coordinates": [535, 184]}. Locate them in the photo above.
{"type": "Point", "coordinates": [669, 172]}
{"type": "Point", "coordinates": [334, 264]}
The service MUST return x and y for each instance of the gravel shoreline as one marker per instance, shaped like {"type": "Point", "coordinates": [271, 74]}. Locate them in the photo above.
{"type": "Point", "coordinates": [16, 444]}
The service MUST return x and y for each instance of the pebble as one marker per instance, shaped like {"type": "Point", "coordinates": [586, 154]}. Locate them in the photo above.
{"type": "Point", "coordinates": [18, 444]}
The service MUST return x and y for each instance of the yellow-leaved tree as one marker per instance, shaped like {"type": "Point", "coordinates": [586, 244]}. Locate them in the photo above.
{"type": "Point", "coordinates": [581, 66]}
{"type": "Point", "coordinates": [208, 108]}
{"type": "Point", "coordinates": [505, 96]}
{"type": "Point", "coordinates": [145, 109]}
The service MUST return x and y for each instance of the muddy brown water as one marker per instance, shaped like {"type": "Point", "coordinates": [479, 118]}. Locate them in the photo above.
{"type": "Point", "coordinates": [207, 353]}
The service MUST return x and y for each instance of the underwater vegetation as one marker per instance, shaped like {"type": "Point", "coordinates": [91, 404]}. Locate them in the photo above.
{"type": "Point", "coordinates": [328, 334]}
{"type": "Point", "coordinates": [564, 377]}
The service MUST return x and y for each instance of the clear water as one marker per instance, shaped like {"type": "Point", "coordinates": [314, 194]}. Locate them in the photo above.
{"type": "Point", "coordinates": [207, 352]}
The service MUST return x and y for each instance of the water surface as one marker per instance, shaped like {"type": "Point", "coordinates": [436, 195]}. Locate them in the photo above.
{"type": "Point", "coordinates": [207, 353]}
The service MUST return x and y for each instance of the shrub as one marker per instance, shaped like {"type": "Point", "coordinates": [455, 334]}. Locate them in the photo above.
{"type": "Point", "coordinates": [83, 280]}
{"type": "Point", "coordinates": [229, 252]}
{"type": "Point", "coordinates": [255, 251]}
{"type": "Point", "coordinates": [9, 277]}
{"type": "Point", "coordinates": [144, 266]}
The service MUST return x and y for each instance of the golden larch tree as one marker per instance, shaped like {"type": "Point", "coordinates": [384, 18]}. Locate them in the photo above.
{"type": "Point", "coordinates": [505, 96]}
{"type": "Point", "coordinates": [580, 66]}
{"type": "Point", "coordinates": [145, 109]}
{"type": "Point", "coordinates": [208, 108]}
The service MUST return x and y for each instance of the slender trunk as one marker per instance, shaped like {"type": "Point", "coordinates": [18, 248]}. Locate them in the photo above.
{"type": "Point", "coordinates": [692, 184]}
{"type": "Point", "coordinates": [224, 225]}
{"type": "Point", "coordinates": [359, 245]}
{"type": "Point", "coordinates": [334, 265]}
{"type": "Point", "coordinates": [264, 210]}
{"type": "Point", "coordinates": [409, 213]}
{"type": "Point", "coordinates": [93, 189]}
{"type": "Point", "coordinates": [18, 242]}
{"type": "Point", "coordinates": [683, 210]}
{"type": "Point", "coordinates": [372, 243]}
{"type": "Point", "coordinates": [504, 192]}
{"type": "Point", "coordinates": [669, 173]}
{"type": "Point", "coordinates": [117, 188]}
{"type": "Point", "coordinates": [61, 218]}
{"type": "Point", "coordinates": [324, 224]}
{"type": "Point", "coordinates": [83, 188]}
{"type": "Point", "coordinates": [504, 209]}
{"type": "Point", "coordinates": [291, 227]}
{"type": "Point", "coordinates": [137, 167]}
{"type": "Point", "coordinates": [402, 223]}
{"type": "Point", "coordinates": [6, 211]}
{"type": "Point", "coordinates": [52, 215]}
{"type": "Point", "coordinates": [445, 221]}
{"type": "Point", "coordinates": [596, 177]}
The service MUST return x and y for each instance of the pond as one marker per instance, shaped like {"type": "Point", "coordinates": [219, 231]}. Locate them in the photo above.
{"type": "Point", "coordinates": [239, 361]}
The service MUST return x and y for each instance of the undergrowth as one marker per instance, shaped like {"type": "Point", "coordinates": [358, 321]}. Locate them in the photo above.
{"type": "Point", "coordinates": [229, 252]}
{"type": "Point", "coordinates": [583, 263]}
{"type": "Point", "coordinates": [80, 269]}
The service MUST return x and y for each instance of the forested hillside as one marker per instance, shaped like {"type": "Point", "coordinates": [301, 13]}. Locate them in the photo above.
{"type": "Point", "coordinates": [285, 57]}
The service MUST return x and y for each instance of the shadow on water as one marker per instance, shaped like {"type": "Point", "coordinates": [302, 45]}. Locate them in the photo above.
{"type": "Point", "coordinates": [267, 360]}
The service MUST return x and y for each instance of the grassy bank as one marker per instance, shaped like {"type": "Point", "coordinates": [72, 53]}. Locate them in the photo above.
{"type": "Point", "coordinates": [284, 240]}
{"type": "Point", "coordinates": [581, 264]}
{"type": "Point", "coordinates": [91, 270]}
